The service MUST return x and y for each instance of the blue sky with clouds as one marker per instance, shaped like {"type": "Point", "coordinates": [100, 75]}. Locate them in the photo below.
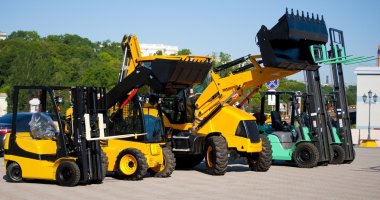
{"type": "Point", "coordinates": [201, 26]}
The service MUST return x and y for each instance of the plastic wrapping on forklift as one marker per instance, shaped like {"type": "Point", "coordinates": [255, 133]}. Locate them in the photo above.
{"type": "Point", "coordinates": [42, 127]}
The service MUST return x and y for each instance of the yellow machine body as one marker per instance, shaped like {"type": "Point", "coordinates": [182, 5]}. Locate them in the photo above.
{"type": "Point", "coordinates": [152, 152]}
{"type": "Point", "coordinates": [34, 168]}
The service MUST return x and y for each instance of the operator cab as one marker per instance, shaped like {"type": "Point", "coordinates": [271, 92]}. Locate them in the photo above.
{"type": "Point", "coordinates": [286, 122]}
{"type": "Point", "coordinates": [180, 108]}
{"type": "Point", "coordinates": [142, 114]}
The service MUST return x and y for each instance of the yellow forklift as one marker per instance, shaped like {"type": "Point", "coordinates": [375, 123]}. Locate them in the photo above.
{"type": "Point", "coordinates": [45, 145]}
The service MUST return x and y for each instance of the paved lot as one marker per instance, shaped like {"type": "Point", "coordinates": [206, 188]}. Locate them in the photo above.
{"type": "Point", "coordinates": [359, 180]}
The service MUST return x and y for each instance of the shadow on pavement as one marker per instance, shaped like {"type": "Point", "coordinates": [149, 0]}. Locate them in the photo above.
{"type": "Point", "coordinates": [369, 169]}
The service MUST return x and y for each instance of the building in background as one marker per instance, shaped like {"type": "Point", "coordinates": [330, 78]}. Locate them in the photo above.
{"type": "Point", "coordinates": [368, 78]}
{"type": "Point", "coordinates": [3, 104]}
{"type": "Point", "coordinates": [151, 49]}
{"type": "Point", "coordinates": [3, 35]}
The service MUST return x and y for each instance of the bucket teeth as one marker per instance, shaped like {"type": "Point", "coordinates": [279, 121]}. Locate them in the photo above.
{"type": "Point", "coordinates": [297, 16]}
{"type": "Point", "coordinates": [286, 44]}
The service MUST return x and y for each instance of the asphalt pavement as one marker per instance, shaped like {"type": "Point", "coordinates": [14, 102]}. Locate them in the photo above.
{"type": "Point", "coordinates": [358, 180]}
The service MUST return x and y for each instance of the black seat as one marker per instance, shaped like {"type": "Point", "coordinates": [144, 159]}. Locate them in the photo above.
{"type": "Point", "coordinates": [276, 121]}
{"type": "Point", "coordinates": [277, 124]}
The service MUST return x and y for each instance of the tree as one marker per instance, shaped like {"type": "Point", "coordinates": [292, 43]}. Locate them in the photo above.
{"type": "Point", "coordinates": [184, 52]}
{"type": "Point", "coordinates": [24, 35]}
{"type": "Point", "coordinates": [351, 94]}
{"type": "Point", "coordinates": [158, 53]}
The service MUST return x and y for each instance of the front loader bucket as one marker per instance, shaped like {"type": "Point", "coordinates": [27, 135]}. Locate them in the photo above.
{"type": "Point", "coordinates": [286, 45]}
{"type": "Point", "coordinates": [176, 75]}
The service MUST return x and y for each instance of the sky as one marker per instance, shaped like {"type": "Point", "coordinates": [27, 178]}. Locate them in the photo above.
{"type": "Point", "coordinates": [201, 26]}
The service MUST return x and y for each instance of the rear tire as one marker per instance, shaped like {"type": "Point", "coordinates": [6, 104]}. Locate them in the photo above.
{"type": "Point", "coordinates": [261, 162]}
{"type": "Point", "coordinates": [14, 172]}
{"type": "Point", "coordinates": [306, 155]}
{"type": "Point", "coordinates": [338, 157]}
{"type": "Point", "coordinates": [216, 155]}
{"type": "Point", "coordinates": [131, 164]}
{"type": "Point", "coordinates": [168, 165]}
{"type": "Point", "coordinates": [68, 174]}
{"type": "Point", "coordinates": [188, 161]}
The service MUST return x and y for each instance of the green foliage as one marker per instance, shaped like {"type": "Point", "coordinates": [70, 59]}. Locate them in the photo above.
{"type": "Point", "coordinates": [184, 52]}
{"type": "Point", "coordinates": [24, 35]}
{"type": "Point", "coordinates": [66, 60]}
{"type": "Point", "coordinates": [158, 53]}
{"type": "Point", "coordinates": [351, 94]}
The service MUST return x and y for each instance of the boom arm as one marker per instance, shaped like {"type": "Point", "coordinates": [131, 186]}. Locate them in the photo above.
{"type": "Point", "coordinates": [229, 88]}
{"type": "Point", "coordinates": [284, 50]}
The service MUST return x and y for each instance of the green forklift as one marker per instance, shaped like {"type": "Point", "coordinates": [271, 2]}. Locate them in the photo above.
{"type": "Point", "coordinates": [291, 140]}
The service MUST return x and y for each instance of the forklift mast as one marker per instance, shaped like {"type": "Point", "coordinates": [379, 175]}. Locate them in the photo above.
{"type": "Point", "coordinates": [86, 101]}
{"type": "Point", "coordinates": [340, 97]}
{"type": "Point", "coordinates": [318, 118]}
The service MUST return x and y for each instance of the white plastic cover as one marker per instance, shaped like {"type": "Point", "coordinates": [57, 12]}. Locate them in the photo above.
{"type": "Point", "coordinates": [42, 127]}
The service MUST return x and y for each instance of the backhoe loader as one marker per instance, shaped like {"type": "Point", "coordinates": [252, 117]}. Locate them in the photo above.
{"type": "Point", "coordinates": [131, 158]}
{"type": "Point", "coordinates": [219, 129]}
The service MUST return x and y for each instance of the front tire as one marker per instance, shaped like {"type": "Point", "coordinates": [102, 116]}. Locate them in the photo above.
{"type": "Point", "coordinates": [131, 164]}
{"type": "Point", "coordinates": [306, 155]}
{"type": "Point", "coordinates": [261, 162]}
{"type": "Point", "coordinates": [167, 167]}
{"type": "Point", "coordinates": [14, 172]}
{"type": "Point", "coordinates": [68, 174]}
{"type": "Point", "coordinates": [338, 157]}
{"type": "Point", "coordinates": [216, 155]}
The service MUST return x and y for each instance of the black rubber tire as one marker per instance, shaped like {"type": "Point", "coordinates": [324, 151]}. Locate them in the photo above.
{"type": "Point", "coordinates": [306, 155]}
{"type": "Point", "coordinates": [142, 166]}
{"type": "Point", "coordinates": [218, 155]}
{"type": "Point", "coordinates": [104, 162]}
{"type": "Point", "coordinates": [188, 161]}
{"type": "Point", "coordinates": [169, 163]}
{"type": "Point", "coordinates": [261, 162]}
{"type": "Point", "coordinates": [67, 174]}
{"type": "Point", "coordinates": [339, 155]}
{"type": "Point", "coordinates": [14, 172]}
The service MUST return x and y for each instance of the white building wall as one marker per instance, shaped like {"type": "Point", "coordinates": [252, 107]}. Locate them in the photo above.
{"type": "Point", "coordinates": [151, 49]}
{"type": "Point", "coordinates": [3, 104]}
{"type": "Point", "coordinates": [368, 78]}
{"type": "Point", "coordinates": [3, 36]}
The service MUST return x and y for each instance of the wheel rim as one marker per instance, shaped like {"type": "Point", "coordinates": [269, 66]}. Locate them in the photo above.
{"type": "Point", "coordinates": [304, 155]}
{"type": "Point", "coordinates": [128, 164]}
{"type": "Point", "coordinates": [209, 156]}
{"type": "Point", "coordinates": [66, 174]}
{"type": "Point", "coordinates": [336, 154]}
{"type": "Point", "coordinates": [16, 173]}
